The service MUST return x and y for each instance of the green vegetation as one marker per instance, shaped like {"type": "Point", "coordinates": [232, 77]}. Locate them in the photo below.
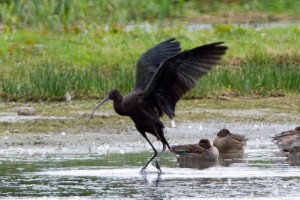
{"type": "Point", "coordinates": [69, 15]}
{"type": "Point", "coordinates": [260, 74]}
{"type": "Point", "coordinates": [50, 48]}
{"type": "Point", "coordinates": [40, 66]}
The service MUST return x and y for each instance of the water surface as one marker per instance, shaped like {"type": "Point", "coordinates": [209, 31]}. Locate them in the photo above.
{"type": "Point", "coordinates": [261, 172]}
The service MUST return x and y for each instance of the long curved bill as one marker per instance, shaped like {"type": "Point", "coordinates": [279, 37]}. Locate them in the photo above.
{"type": "Point", "coordinates": [101, 102]}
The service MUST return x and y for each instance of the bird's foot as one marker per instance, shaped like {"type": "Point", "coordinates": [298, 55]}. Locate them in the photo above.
{"type": "Point", "coordinates": [143, 171]}
{"type": "Point", "coordinates": [158, 167]}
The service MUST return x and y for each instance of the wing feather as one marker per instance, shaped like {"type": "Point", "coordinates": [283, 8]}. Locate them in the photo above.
{"type": "Point", "coordinates": [179, 74]}
{"type": "Point", "coordinates": [151, 60]}
{"type": "Point", "coordinates": [187, 149]}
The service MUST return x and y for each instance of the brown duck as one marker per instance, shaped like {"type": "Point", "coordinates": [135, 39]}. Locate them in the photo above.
{"type": "Point", "coordinates": [287, 140]}
{"type": "Point", "coordinates": [203, 151]}
{"type": "Point", "coordinates": [293, 154]}
{"type": "Point", "coordinates": [228, 142]}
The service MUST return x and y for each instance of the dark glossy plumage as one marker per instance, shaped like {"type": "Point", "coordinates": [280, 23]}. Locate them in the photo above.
{"type": "Point", "coordinates": [149, 62]}
{"type": "Point", "coordinates": [164, 75]}
{"type": "Point", "coordinates": [179, 74]}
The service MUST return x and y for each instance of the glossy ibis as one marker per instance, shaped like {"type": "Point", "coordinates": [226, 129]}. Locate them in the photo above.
{"type": "Point", "coordinates": [228, 142]}
{"type": "Point", "coordinates": [163, 76]}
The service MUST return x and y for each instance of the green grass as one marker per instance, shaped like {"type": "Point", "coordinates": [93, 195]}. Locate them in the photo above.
{"type": "Point", "coordinates": [51, 81]}
{"type": "Point", "coordinates": [38, 65]}
{"type": "Point", "coordinates": [78, 16]}
{"type": "Point", "coordinates": [265, 77]}
{"type": "Point", "coordinates": [52, 47]}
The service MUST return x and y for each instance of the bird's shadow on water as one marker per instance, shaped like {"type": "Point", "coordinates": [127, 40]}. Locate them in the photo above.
{"type": "Point", "coordinates": [154, 191]}
{"type": "Point", "coordinates": [152, 183]}
{"type": "Point", "coordinates": [151, 179]}
{"type": "Point", "coordinates": [156, 182]}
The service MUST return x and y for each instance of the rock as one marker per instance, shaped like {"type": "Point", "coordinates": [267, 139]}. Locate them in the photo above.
{"type": "Point", "coordinates": [26, 111]}
{"type": "Point", "coordinates": [68, 96]}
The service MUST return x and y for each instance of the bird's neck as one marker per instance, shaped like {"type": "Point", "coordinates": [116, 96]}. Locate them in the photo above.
{"type": "Point", "coordinates": [118, 105]}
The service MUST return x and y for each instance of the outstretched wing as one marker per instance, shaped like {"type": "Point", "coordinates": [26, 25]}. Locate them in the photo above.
{"type": "Point", "coordinates": [151, 60]}
{"type": "Point", "coordinates": [179, 74]}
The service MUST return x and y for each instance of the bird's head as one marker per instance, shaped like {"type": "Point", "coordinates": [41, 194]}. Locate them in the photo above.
{"type": "Point", "coordinates": [112, 95]}
{"type": "Point", "coordinates": [204, 143]}
{"type": "Point", "coordinates": [223, 132]}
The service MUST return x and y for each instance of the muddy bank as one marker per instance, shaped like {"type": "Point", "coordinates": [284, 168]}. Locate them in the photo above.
{"type": "Point", "coordinates": [110, 141]}
{"type": "Point", "coordinates": [66, 128]}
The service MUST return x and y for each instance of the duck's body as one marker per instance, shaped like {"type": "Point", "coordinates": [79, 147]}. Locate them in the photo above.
{"type": "Point", "coordinates": [287, 140]}
{"type": "Point", "coordinates": [293, 153]}
{"type": "Point", "coordinates": [228, 142]}
{"type": "Point", "coordinates": [203, 151]}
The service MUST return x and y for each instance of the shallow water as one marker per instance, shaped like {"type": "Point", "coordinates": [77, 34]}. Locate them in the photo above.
{"type": "Point", "coordinates": [13, 117]}
{"type": "Point", "coordinates": [106, 164]}
{"type": "Point", "coordinates": [261, 172]}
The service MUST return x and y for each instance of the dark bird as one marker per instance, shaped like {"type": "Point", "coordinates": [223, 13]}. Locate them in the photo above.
{"type": "Point", "coordinates": [287, 140]}
{"type": "Point", "coordinates": [163, 76]}
{"type": "Point", "coordinates": [202, 151]}
{"type": "Point", "coordinates": [228, 142]}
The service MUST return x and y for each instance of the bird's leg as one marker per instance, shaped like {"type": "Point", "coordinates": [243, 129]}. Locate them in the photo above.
{"type": "Point", "coordinates": [160, 135]}
{"type": "Point", "coordinates": [155, 152]}
{"type": "Point", "coordinates": [158, 157]}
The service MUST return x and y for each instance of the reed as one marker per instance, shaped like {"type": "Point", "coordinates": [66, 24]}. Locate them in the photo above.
{"type": "Point", "coordinates": [69, 16]}
{"type": "Point", "coordinates": [258, 75]}
{"type": "Point", "coordinates": [38, 65]}
{"type": "Point", "coordinates": [51, 81]}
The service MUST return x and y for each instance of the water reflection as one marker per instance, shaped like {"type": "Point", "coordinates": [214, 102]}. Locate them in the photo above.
{"type": "Point", "coordinates": [227, 159]}
{"type": "Point", "coordinates": [194, 163]}
{"type": "Point", "coordinates": [293, 160]}
{"type": "Point", "coordinates": [262, 173]}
